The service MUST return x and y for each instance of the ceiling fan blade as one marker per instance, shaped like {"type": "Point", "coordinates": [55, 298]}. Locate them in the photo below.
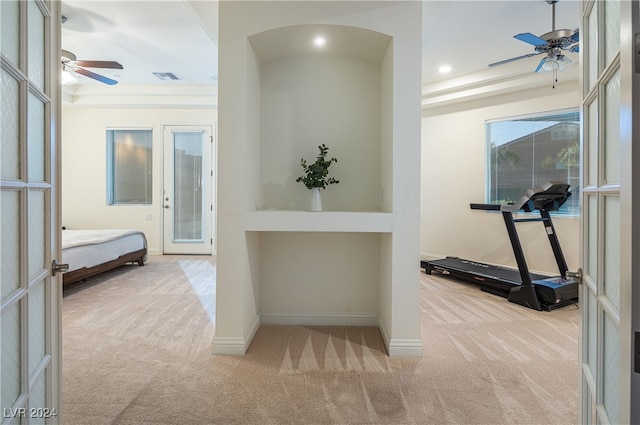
{"type": "Point", "coordinates": [513, 59]}
{"type": "Point", "coordinates": [575, 36]}
{"type": "Point", "coordinates": [575, 48]}
{"type": "Point", "coordinates": [95, 76]}
{"type": "Point", "coordinates": [527, 37]}
{"type": "Point", "coordinates": [542, 62]}
{"type": "Point", "coordinates": [99, 64]}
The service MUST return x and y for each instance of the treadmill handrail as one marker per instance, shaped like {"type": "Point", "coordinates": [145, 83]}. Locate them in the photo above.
{"type": "Point", "coordinates": [486, 207]}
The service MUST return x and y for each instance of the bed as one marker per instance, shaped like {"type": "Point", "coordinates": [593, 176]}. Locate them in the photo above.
{"type": "Point", "coordinates": [91, 252]}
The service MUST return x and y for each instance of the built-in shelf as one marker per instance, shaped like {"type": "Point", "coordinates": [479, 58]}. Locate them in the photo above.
{"type": "Point", "coordinates": [325, 221]}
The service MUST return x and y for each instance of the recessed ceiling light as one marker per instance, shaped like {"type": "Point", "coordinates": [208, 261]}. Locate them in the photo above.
{"type": "Point", "coordinates": [319, 41]}
{"type": "Point", "coordinates": [444, 69]}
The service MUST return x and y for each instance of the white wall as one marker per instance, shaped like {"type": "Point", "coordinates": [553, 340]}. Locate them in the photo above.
{"type": "Point", "coordinates": [84, 172]}
{"type": "Point", "coordinates": [453, 175]}
{"type": "Point", "coordinates": [318, 280]}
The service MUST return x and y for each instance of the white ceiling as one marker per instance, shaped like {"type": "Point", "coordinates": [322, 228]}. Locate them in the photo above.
{"type": "Point", "coordinates": [181, 37]}
{"type": "Point", "coordinates": [144, 37]}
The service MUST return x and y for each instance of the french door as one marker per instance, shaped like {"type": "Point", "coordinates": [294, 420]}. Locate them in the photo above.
{"type": "Point", "coordinates": [187, 191]}
{"type": "Point", "coordinates": [30, 293]}
{"type": "Point", "coordinates": [610, 295]}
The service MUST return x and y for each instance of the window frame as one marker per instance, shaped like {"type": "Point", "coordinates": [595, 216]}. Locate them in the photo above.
{"type": "Point", "coordinates": [111, 198]}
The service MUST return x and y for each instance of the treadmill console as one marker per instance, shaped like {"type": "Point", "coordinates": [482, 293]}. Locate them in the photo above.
{"type": "Point", "coordinates": [550, 197]}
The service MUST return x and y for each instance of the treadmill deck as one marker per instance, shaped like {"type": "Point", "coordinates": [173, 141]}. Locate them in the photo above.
{"type": "Point", "coordinates": [500, 280]}
{"type": "Point", "coordinates": [482, 271]}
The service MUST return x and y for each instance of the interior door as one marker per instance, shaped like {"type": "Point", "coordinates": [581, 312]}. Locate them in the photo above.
{"type": "Point", "coordinates": [610, 293]}
{"type": "Point", "coordinates": [30, 295]}
{"type": "Point", "coordinates": [187, 191]}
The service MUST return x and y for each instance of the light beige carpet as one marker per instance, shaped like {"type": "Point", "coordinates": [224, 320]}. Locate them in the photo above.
{"type": "Point", "coordinates": [137, 350]}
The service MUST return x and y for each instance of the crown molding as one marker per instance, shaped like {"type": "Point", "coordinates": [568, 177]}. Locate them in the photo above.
{"type": "Point", "coordinates": [490, 82]}
{"type": "Point", "coordinates": [131, 96]}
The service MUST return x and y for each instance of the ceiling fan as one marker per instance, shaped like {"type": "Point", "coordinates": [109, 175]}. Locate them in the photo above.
{"type": "Point", "coordinates": [552, 43]}
{"type": "Point", "coordinates": [71, 64]}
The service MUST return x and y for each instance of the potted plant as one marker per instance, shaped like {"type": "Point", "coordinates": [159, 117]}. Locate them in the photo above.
{"type": "Point", "coordinates": [316, 176]}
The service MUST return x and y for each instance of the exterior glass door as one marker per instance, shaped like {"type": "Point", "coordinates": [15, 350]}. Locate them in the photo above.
{"type": "Point", "coordinates": [187, 191]}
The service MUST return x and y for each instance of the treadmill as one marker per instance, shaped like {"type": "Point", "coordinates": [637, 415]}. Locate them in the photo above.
{"type": "Point", "coordinates": [520, 286]}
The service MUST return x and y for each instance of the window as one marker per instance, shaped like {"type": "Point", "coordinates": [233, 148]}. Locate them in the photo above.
{"type": "Point", "coordinates": [525, 152]}
{"type": "Point", "coordinates": [129, 176]}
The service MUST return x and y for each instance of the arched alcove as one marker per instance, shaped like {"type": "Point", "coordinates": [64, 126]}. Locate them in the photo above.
{"type": "Point", "coordinates": [329, 93]}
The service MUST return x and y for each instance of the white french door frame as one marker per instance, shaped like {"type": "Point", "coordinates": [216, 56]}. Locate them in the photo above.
{"type": "Point", "coordinates": [33, 190]}
{"type": "Point", "coordinates": [610, 255]}
{"type": "Point", "coordinates": [630, 202]}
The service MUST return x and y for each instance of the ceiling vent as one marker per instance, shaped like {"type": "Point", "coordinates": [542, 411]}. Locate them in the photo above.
{"type": "Point", "coordinates": [165, 76]}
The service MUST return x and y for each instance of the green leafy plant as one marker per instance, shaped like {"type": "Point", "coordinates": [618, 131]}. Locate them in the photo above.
{"type": "Point", "coordinates": [548, 163]}
{"type": "Point", "coordinates": [569, 156]}
{"type": "Point", "coordinates": [315, 174]}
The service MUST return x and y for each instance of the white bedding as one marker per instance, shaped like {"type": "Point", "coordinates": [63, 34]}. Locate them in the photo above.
{"type": "Point", "coordinates": [88, 248]}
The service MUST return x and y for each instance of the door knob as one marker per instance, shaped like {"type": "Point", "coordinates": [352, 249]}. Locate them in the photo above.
{"type": "Point", "coordinates": [55, 267]}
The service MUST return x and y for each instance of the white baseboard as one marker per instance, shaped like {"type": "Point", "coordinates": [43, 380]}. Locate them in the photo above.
{"type": "Point", "coordinates": [235, 346]}
{"type": "Point", "coordinates": [405, 348]}
{"type": "Point", "coordinates": [384, 333]}
{"type": "Point", "coordinates": [318, 319]}
{"type": "Point", "coordinates": [229, 346]}
{"type": "Point", "coordinates": [239, 346]}
{"type": "Point", "coordinates": [401, 347]}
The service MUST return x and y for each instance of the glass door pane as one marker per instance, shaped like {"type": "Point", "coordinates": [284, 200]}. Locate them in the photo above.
{"type": "Point", "coordinates": [36, 144]}
{"type": "Point", "coordinates": [187, 184]}
{"type": "Point", "coordinates": [611, 236]}
{"type": "Point", "coordinates": [611, 369]}
{"type": "Point", "coordinates": [611, 29]}
{"type": "Point", "coordinates": [9, 29]}
{"type": "Point", "coordinates": [592, 137]}
{"type": "Point", "coordinates": [11, 353]}
{"type": "Point", "coordinates": [36, 232]}
{"type": "Point", "coordinates": [37, 327]}
{"type": "Point", "coordinates": [592, 47]}
{"type": "Point", "coordinates": [36, 45]}
{"type": "Point", "coordinates": [9, 148]}
{"type": "Point", "coordinates": [612, 129]}
{"type": "Point", "coordinates": [10, 243]}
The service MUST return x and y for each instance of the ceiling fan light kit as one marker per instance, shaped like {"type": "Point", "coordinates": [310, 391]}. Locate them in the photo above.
{"type": "Point", "coordinates": [552, 43]}
{"type": "Point", "coordinates": [67, 78]}
{"type": "Point", "coordinates": [554, 62]}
